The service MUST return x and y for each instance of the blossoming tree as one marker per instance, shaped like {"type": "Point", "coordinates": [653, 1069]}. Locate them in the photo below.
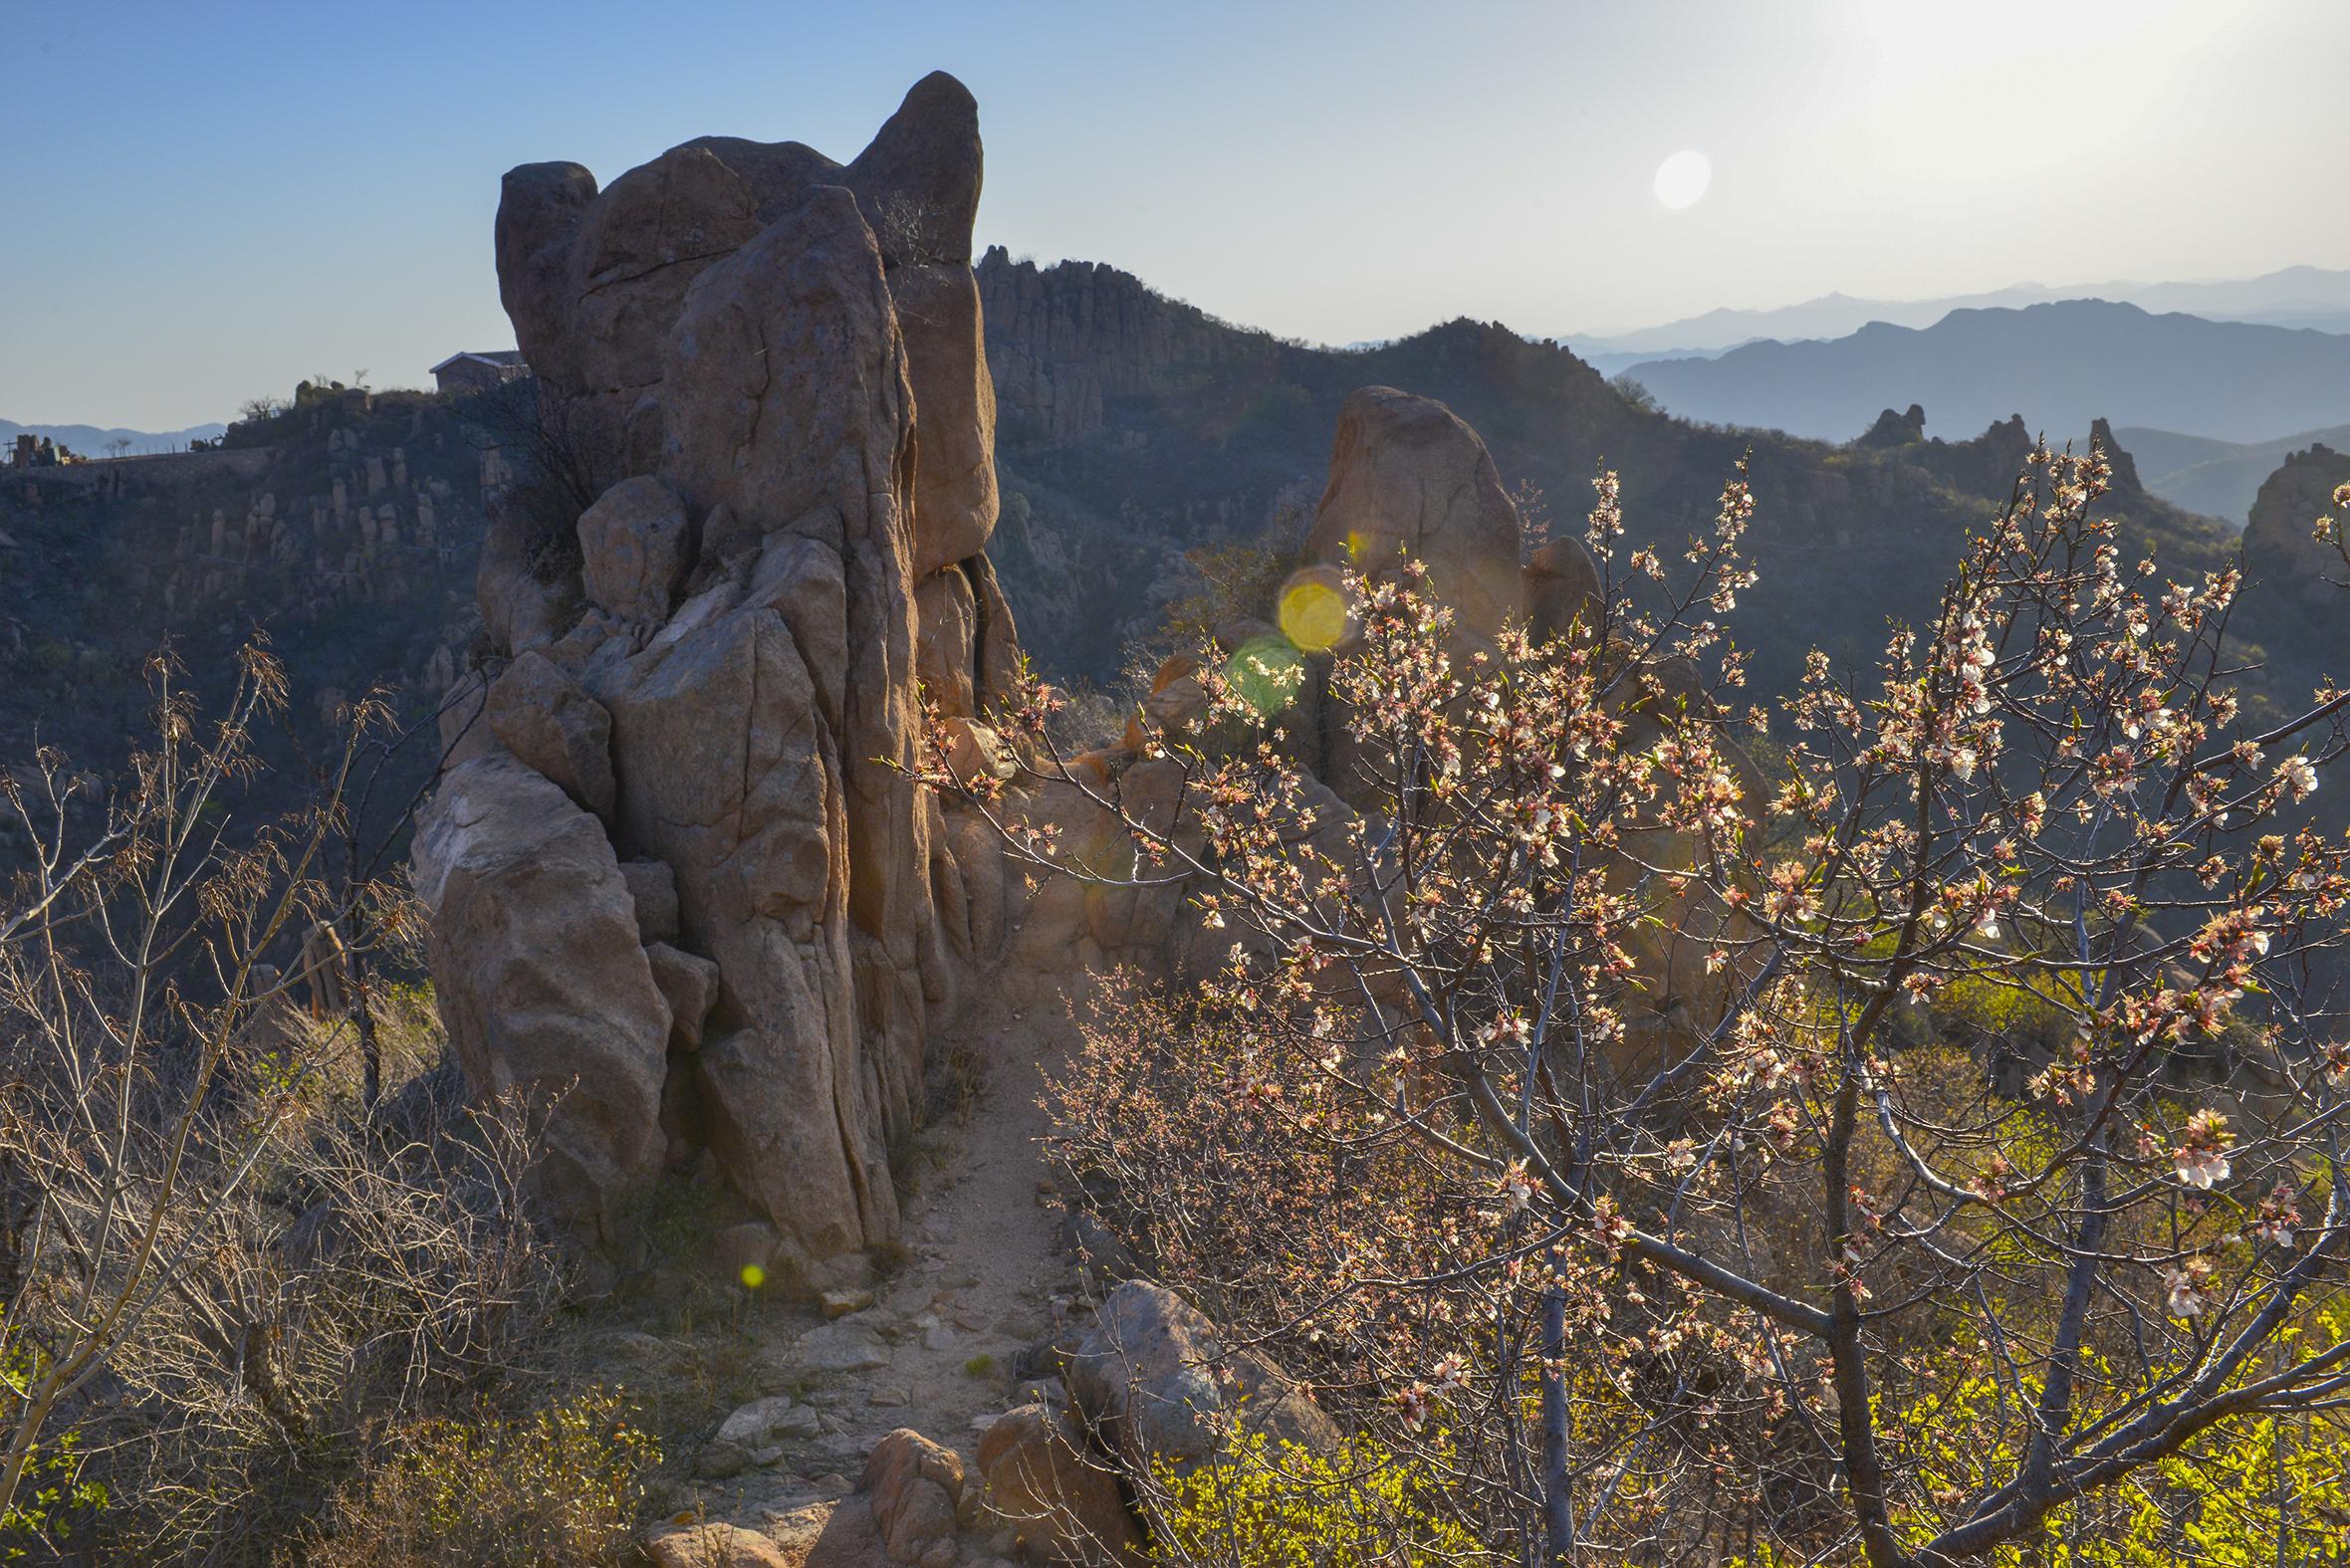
{"type": "Point", "coordinates": [1900, 1146]}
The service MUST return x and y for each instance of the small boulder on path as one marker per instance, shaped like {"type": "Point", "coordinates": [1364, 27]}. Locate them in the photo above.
{"type": "Point", "coordinates": [916, 1487]}
{"type": "Point", "coordinates": [1156, 1380]}
{"type": "Point", "coordinates": [1060, 1499]}
{"type": "Point", "coordinates": [714, 1547]}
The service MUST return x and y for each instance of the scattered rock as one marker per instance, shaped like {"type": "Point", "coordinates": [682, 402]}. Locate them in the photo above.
{"type": "Point", "coordinates": [720, 1460]}
{"type": "Point", "coordinates": [765, 1421]}
{"type": "Point", "coordinates": [1062, 1503]}
{"type": "Point", "coordinates": [755, 1435]}
{"type": "Point", "coordinates": [916, 1492]}
{"type": "Point", "coordinates": [1104, 1260]}
{"type": "Point", "coordinates": [714, 1547]}
{"type": "Point", "coordinates": [840, 1303]}
{"type": "Point", "coordinates": [843, 1345]}
{"type": "Point", "coordinates": [1155, 1381]}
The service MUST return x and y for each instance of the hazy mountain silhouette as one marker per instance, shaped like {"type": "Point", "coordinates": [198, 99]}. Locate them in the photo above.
{"type": "Point", "coordinates": [2220, 478]}
{"type": "Point", "coordinates": [2294, 297]}
{"type": "Point", "coordinates": [1132, 428]}
{"type": "Point", "coordinates": [93, 440]}
{"type": "Point", "coordinates": [2059, 364]}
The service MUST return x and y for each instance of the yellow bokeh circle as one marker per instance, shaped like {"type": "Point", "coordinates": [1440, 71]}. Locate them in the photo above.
{"type": "Point", "coordinates": [1313, 613]}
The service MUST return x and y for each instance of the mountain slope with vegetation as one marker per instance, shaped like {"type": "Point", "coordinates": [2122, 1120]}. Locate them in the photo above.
{"type": "Point", "coordinates": [1134, 428]}
{"type": "Point", "coordinates": [344, 531]}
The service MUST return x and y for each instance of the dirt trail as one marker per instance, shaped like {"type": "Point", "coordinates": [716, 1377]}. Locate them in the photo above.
{"type": "Point", "coordinates": [983, 1280]}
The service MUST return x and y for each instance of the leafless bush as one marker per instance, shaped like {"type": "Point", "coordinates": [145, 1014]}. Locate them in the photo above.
{"type": "Point", "coordinates": [219, 1269]}
{"type": "Point", "coordinates": [408, 1284]}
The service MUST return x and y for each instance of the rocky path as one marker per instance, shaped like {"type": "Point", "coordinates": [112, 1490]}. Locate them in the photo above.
{"type": "Point", "coordinates": [942, 1347]}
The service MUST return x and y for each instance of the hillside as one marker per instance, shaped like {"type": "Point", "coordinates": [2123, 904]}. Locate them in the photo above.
{"type": "Point", "coordinates": [2216, 478]}
{"type": "Point", "coordinates": [2060, 365]}
{"type": "Point", "coordinates": [348, 535]}
{"type": "Point", "coordinates": [1134, 427]}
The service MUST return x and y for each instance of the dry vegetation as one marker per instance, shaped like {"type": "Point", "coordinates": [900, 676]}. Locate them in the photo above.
{"type": "Point", "coordinates": [266, 1275]}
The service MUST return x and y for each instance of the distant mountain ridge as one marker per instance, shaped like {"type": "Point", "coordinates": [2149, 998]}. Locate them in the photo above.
{"type": "Point", "coordinates": [2220, 478]}
{"type": "Point", "coordinates": [2059, 364]}
{"type": "Point", "coordinates": [2314, 297]}
{"type": "Point", "coordinates": [1132, 428]}
{"type": "Point", "coordinates": [93, 440]}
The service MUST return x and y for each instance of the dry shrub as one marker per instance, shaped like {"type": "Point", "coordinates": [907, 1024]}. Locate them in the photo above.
{"type": "Point", "coordinates": [562, 1485]}
{"type": "Point", "coordinates": [380, 1272]}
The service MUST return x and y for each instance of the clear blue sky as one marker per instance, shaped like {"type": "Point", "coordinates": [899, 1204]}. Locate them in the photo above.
{"type": "Point", "coordinates": [205, 202]}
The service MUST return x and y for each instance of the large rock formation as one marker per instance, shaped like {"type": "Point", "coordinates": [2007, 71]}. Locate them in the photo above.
{"type": "Point", "coordinates": [2282, 556]}
{"type": "Point", "coordinates": [1409, 479]}
{"type": "Point", "coordinates": [776, 362]}
{"type": "Point", "coordinates": [708, 715]}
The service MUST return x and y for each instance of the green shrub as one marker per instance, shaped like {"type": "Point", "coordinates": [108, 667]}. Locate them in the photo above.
{"type": "Point", "coordinates": [1285, 1507]}
{"type": "Point", "coordinates": [52, 1500]}
{"type": "Point", "coordinates": [559, 1486]}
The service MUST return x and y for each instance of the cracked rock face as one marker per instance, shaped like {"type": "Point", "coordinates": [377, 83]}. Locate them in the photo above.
{"type": "Point", "coordinates": [594, 279]}
{"type": "Point", "coordinates": [543, 981]}
{"type": "Point", "coordinates": [777, 359]}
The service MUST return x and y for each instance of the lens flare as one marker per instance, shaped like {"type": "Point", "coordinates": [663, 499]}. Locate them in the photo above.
{"type": "Point", "coordinates": [1313, 612]}
{"type": "Point", "coordinates": [1267, 673]}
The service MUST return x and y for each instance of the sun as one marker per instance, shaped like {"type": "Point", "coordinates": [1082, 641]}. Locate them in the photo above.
{"type": "Point", "coordinates": [1682, 179]}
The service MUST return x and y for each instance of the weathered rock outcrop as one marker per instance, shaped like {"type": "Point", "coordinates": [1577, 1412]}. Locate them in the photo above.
{"type": "Point", "coordinates": [1408, 478]}
{"type": "Point", "coordinates": [776, 362]}
{"type": "Point", "coordinates": [540, 715]}
{"type": "Point", "coordinates": [633, 544]}
{"type": "Point", "coordinates": [1156, 1382]}
{"type": "Point", "coordinates": [541, 979]}
{"type": "Point", "coordinates": [594, 279]}
{"type": "Point", "coordinates": [1065, 337]}
{"type": "Point", "coordinates": [2282, 555]}
{"type": "Point", "coordinates": [918, 1498]}
{"type": "Point", "coordinates": [1059, 1499]}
